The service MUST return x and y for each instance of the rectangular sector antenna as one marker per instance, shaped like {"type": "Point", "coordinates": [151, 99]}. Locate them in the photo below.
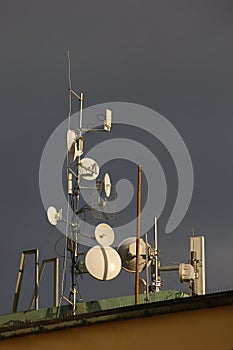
{"type": "Point", "coordinates": [197, 250]}
{"type": "Point", "coordinates": [108, 120]}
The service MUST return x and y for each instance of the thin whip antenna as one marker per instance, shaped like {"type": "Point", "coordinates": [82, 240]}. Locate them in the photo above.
{"type": "Point", "coordinates": [70, 89]}
{"type": "Point", "coordinates": [138, 233]}
{"type": "Point", "coordinates": [67, 167]}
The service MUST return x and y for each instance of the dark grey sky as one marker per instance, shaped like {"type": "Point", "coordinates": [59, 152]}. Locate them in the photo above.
{"type": "Point", "coordinates": [172, 56]}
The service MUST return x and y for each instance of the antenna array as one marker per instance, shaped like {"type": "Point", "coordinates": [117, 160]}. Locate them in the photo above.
{"type": "Point", "coordinates": [102, 261]}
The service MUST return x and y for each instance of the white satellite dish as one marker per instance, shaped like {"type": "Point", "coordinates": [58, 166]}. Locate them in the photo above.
{"type": "Point", "coordinates": [71, 139]}
{"type": "Point", "coordinates": [74, 152]}
{"type": "Point", "coordinates": [104, 234]}
{"type": "Point", "coordinates": [53, 215]}
{"type": "Point", "coordinates": [74, 145]}
{"type": "Point", "coordinates": [127, 251]}
{"type": "Point", "coordinates": [89, 169]}
{"type": "Point", "coordinates": [103, 263]}
{"type": "Point", "coordinates": [107, 185]}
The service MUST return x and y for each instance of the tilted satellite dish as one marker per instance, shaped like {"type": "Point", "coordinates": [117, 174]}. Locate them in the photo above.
{"type": "Point", "coordinates": [74, 145]}
{"type": "Point", "coordinates": [127, 251]}
{"type": "Point", "coordinates": [53, 215]}
{"type": "Point", "coordinates": [104, 234]}
{"type": "Point", "coordinates": [71, 139]}
{"type": "Point", "coordinates": [89, 169]}
{"type": "Point", "coordinates": [107, 185]}
{"type": "Point", "coordinates": [103, 263]}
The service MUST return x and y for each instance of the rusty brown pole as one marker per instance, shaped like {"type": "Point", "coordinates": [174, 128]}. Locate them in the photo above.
{"type": "Point", "coordinates": [138, 232]}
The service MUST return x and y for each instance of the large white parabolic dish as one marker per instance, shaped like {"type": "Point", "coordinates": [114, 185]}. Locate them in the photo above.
{"type": "Point", "coordinates": [103, 263]}
{"type": "Point", "coordinates": [127, 251]}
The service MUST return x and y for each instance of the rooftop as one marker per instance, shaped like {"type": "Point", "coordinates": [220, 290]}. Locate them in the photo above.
{"type": "Point", "coordinates": [44, 320]}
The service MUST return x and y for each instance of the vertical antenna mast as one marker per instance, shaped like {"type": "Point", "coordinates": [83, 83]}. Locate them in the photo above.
{"type": "Point", "coordinates": [71, 192]}
{"type": "Point", "coordinates": [157, 284]}
{"type": "Point", "coordinates": [138, 233]}
{"type": "Point", "coordinates": [78, 168]}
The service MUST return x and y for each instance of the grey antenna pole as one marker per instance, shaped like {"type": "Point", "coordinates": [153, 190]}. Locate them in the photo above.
{"type": "Point", "coordinates": [155, 269]}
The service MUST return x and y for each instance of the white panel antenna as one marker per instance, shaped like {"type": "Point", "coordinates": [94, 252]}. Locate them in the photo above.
{"type": "Point", "coordinates": [197, 252]}
{"type": "Point", "coordinates": [104, 234]}
{"type": "Point", "coordinates": [108, 120]}
{"type": "Point", "coordinates": [103, 263]}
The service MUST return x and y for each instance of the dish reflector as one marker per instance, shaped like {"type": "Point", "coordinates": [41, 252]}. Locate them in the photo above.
{"type": "Point", "coordinates": [104, 234]}
{"type": "Point", "coordinates": [53, 215]}
{"type": "Point", "coordinates": [89, 169]}
{"type": "Point", "coordinates": [74, 145]}
{"type": "Point", "coordinates": [127, 251]}
{"type": "Point", "coordinates": [107, 185]}
{"type": "Point", "coordinates": [103, 263]}
{"type": "Point", "coordinates": [71, 139]}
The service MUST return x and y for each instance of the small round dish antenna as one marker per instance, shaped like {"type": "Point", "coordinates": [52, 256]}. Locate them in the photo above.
{"type": "Point", "coordinates": [53, 215]}
{"type": "Point", "coordinates": [107, 185]}
{"type": "Point", "coordinates": [103, 263]}
{"type": "Point", "coordinates": [127, 251]}
{"type": "Point", "coordinates": [104, 234]}
{"type": "Point", "coordinates": [89, 169]}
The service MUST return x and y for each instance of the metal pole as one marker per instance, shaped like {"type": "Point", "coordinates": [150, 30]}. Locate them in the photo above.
{"type": "Point", "coordinates": [147, 272]}
{"type": "Point", "coordinates": [76, 191]}
{"type": "Point", "coordinates": [81, 114]}
{"type": "Point", "coordinates": [194, 264]}
{"type": "Point", "coordinates": [36, 279]}
{"type": "Point", "coordinates": [138, 232]}
{"type": "Point", "coordinates": [169, 268]}
{"type": "Point", "coordinates": [55, 277]}
{"type": "Point", "coordinates": [56, 283]}
{"type": "Point", "coordinates": [19, 282]}
{"type": "Point", "coordinates": [156, 256]}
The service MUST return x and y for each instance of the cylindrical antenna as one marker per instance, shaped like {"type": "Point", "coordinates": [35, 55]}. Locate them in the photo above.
{"type": "Point", "coordinates": [80, 145]}
{"type": "Point", "coordinates": [81, 114]}
{"type": "Point", "coordinates": [138, 232]}
{"type": "Point", "coordinates": [69, 183]}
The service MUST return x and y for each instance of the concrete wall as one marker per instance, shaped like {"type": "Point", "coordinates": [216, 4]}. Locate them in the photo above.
{"type": "Point", "coordinates": [210, 328]}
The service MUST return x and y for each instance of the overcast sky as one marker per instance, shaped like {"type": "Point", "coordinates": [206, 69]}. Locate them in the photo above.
{"type": "Point", "coordinates": [172, 56]}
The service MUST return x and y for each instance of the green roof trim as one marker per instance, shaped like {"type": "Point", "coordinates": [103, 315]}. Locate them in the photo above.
{"type": "Point", "coordinates": [46, 320]}
{"type": "Point", "coordinates": [16, 319]}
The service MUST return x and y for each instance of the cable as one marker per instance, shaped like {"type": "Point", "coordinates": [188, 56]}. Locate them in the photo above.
{"type": "Point", "coordinates": [55, 247]}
